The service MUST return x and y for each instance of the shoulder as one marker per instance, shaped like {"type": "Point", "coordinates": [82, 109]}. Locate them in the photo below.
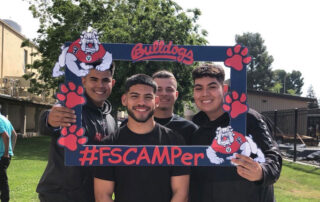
{"type": "Point", "coordinates": [169, 136]}
{"type": "Point", "coordinates": [184, 122]}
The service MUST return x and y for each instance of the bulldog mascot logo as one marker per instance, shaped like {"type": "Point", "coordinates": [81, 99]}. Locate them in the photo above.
{"type": "Point", "coordinates": [82, 55]}
{"type": "Point", "coordinates": [228, 142]}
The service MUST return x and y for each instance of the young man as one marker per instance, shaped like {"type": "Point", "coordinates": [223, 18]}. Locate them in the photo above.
{"type": "Point", "coordinates": [139, 184]}
{"type": "Point", "coordinates": [249, 180]}
{"type": "Point", "coordinates": [61, 183]}
{"type": "Point", "coordinates": [8, 139]}
{"type": "Point", "coordinates": [168, 94]}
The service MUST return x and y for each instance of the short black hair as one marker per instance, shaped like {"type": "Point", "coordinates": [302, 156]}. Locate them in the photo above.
{"type": "Point", "coordinates": [209, 70]}
{"type": "Point", "coordinates": [163, 74]}
{"type": "Point", "coordinates": [140, 79]}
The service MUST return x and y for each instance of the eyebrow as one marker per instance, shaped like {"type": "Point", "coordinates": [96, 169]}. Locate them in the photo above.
{"type": "Point", "coordinates": [209, 84]}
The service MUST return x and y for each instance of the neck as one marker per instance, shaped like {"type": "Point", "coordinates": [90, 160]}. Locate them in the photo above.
{"type": "Point", "coordinates": [139, 127]}
{"type": "Point", "coordinates": [214, 115]}
{"type": "Point", "coordinates": [162, 114]}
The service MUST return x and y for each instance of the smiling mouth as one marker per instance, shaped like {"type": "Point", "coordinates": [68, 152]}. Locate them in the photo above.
{"type": "Point", "coordinates": [141, 109]}
{"type": "Point", "coordinates": [206, 101]}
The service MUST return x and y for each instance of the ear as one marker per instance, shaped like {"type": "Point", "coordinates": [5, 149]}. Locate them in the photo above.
{"type": "Point", "coordinates": [225, 89]}
{"type": "Point", "coordinates": [113, 82]}
{"type": "Point", "coordinates": [177, 94]}
{"type": "Point", "coordinates": [83, 80]}
{"type": "Point", "coordinates": [157, 101]}
{"type": "Point", "coordinates": [124, 100]}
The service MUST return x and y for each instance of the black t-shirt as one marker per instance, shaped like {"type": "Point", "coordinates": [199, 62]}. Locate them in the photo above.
{"type": "Point", "coordinates": [137, 183]}
{"type": "Point", "coordinates": [176, 123]}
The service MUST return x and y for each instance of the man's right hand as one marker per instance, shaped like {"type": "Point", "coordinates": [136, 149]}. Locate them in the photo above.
{"type": "Point", "coordinates": [60, 116]}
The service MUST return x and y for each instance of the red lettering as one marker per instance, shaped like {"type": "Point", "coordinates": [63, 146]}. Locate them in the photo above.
{"type": "Point", "coordinates": [156, 155]}
{"type": "Point", "coordinates": [143, 156]}
{"type": "Point", "coordinates": [160, 51]}
{"type": "Point", "coordinates": [186, 157]}
{"type": "Point", "coordinates": [175, 155]}
{"type": "Point", "coordinates": [115, 154]}
{"type": "Point", "coordinates": [126, 154]}
{"type": "Point", "coordinates": [189, 57]}
{"type": "Point", "coordinates": [196, 157]}
{"type": "Point", "coordinates": [137, 51]}
{"type": "Point", "coordinates": [102, 154]}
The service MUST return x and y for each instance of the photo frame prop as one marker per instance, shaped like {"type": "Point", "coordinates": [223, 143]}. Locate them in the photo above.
{"type": "Point", "coordinates": [78, 57]}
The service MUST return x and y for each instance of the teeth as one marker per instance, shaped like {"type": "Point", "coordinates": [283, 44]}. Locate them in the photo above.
{"type": "Point", "coordinates": [206, 101]}
{"type": "Point", "coordinates": [100, 93]}
{"type": "Point", "coordinates": [141, 110]}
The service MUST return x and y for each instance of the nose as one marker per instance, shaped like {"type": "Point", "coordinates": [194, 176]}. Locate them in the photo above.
{"type": "Point", "coordinates": [204, 92]}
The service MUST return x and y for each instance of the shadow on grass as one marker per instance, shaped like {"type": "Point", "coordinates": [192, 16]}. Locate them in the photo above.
{"type": "Point", "coordinates": [307, 169]}
{"type": "Point", "coordinates": [34, 148]}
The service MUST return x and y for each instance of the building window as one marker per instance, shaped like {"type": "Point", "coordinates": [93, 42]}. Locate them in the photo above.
{"type": "Point", "coordinates": [25, 61]}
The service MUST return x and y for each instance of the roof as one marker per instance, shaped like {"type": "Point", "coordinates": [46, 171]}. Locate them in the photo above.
{"type": "Point", "coordinates": [279, 95]}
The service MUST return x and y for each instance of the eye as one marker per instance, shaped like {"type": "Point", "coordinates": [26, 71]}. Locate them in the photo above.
{"type": "Point", "coordinates": [197, 88]}
{"type": "Point", "coordinates": [169, 90]}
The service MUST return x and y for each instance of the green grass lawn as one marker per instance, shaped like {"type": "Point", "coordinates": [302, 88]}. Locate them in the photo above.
{"type": "Point", "coordinates": [297, 182]}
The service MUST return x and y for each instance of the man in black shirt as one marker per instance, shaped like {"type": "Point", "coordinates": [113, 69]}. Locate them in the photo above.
{"type": "Point", "coordinates": [163, 114]}
{"type": "Point", "coordinates": [139, 184]}
{"type": "Point", "coordinates": [168, 94]}
{"type": "Point", "coordinates": [69, 183]}
{"type": "Point", "coordinates": [248, 180]}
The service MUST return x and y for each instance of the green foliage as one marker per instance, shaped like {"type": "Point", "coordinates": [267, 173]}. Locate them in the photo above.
{"type": "Point", "coordinates": [118, 21]}
{"type": "Point", "coordinates": [312, 94]}
{"type": "Point", "coordinates": [276, 87]}
{"type": "Point", "coordinates": [292, 83]}
{"type": "Point", "coordinates": [259, 74]}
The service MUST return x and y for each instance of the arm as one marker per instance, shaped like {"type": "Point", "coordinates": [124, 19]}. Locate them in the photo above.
{"type": "Point", "coordinates": [5, 138]}
{"type": "Point", "coordinates": [103, 190]}
{"type": "Point", "coordinates": [268, 172]}
{"type": "Point", "coordinates": [13, 139]}
{"type": "Point", "coordinates": [180, 188]}
{"type": "Point", "coordinates": [58, 116]}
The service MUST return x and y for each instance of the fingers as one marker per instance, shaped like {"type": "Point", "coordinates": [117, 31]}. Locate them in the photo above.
{"type": "Point", "coordinates": [248, 168]}
{"type": "Point", "coordinates": [61, 116]}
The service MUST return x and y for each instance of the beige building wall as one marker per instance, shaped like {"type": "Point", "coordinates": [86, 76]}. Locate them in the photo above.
{"type": "Point", "coordinates": [263, 103]}
{"type": "Point", "coordinates": [13, 57]}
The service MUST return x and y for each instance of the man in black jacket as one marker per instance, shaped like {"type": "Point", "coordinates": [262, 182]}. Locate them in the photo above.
{"type": "Point", "coordinates": [68, 184]}
{"type": "Point", "coordinates": [248, 180]}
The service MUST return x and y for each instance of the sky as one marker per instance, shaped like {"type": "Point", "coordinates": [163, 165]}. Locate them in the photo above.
{"type": "Point", "coordinates": [290, 28]}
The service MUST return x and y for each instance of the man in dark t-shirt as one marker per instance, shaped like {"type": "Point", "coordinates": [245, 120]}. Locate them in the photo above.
{"type": "Point", "coordinates": [163, 114]}
{"type": "Point", "coordinates": [168, 94]}
{"type": "Point", "coordinates": [138, 184]}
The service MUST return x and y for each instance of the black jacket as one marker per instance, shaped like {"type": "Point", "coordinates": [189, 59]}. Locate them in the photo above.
{"type": "Point", "coordinates": [223, 183]}
{"type": "Point", "coordinates": [70, 183]}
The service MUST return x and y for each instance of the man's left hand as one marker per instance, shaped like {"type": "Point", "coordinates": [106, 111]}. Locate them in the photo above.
{"type": "Point", "coordinates": [248, 168]}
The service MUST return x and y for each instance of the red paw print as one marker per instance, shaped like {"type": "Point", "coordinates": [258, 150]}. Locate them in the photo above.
{"type": "Point", "coordinates": [71, 138]}
{"type": "Point", "coordinates": [70, 95]}
{"type": "Point", "coordinates": [237, 58]}
{"type": "Point", "coordinates": [234, 104]}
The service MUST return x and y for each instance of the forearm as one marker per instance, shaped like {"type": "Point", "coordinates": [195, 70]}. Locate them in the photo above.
{"type": "Point", "coordinates": [271, 168]}
{"type": "Point", "coordinates": [103, 198]}
{"type": "Point", "coordinates": [179, 197]}
{"type": "Point", "coordinates": [14, 137]}
{"type": "Point", "coordinates": [5, 138]}
{"type": "Point", "coordinates": [45, 128]}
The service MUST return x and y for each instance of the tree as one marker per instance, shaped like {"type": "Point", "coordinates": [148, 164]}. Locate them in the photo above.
{"type": "Point", "coordinates": [291, 83]}
{"type": "Point", "coordinates": [311, 94]}
{"type": "Point", "coordinates": [120, 21]}
{"type": "Point", "coordinates": [259, 74]}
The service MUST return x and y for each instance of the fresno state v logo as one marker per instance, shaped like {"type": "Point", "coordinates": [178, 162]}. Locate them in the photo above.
{"type": "Point", "coordinates": [158, 50]}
